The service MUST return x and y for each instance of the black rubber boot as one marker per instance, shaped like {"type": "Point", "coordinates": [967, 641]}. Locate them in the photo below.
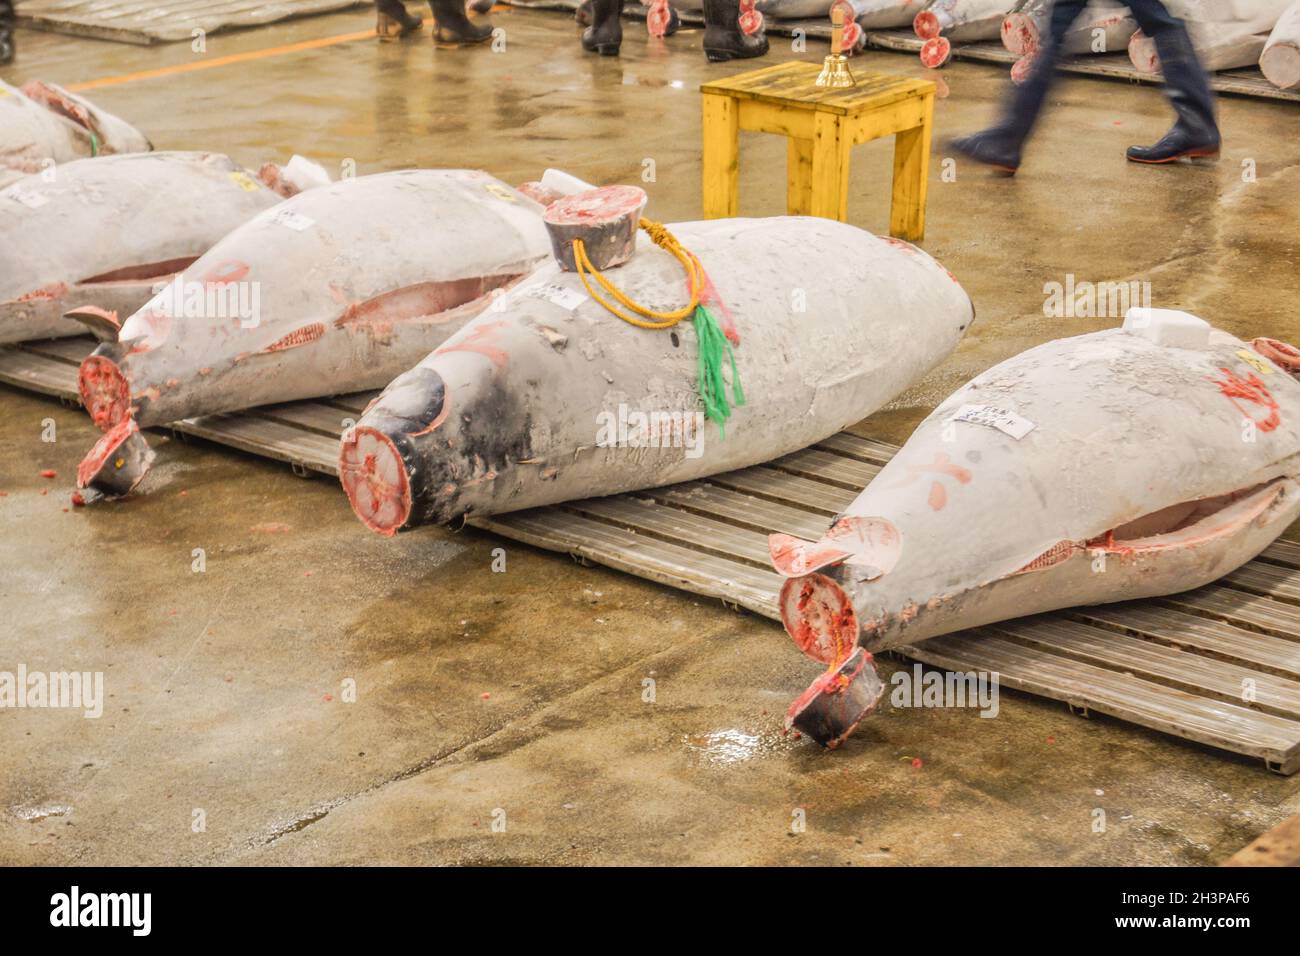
{"type": "Point", "coordinates": [6, 32]}
{"type": "Point", "coordinates": [992, 147]}
{"type": "Point", "coordinates": [605, 34]}
{"type": "Point", "coordinates": [451, 25]}
{"type": "Point", "coordinates": [396, 11]}
{"type": "Point", "coordinates": [999, 146]}
{"type": "Point", "coordinates": [1195, 133]}
{"type": "Point", "coordinates": [723, 39]}
{"type": "Point", "coordinates": [481, 6]}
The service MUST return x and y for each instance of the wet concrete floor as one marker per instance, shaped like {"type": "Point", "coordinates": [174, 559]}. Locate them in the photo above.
{"type": "Point", "coordinates": [503, 717]}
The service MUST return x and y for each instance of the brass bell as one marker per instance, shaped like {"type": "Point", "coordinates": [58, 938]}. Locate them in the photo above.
{"type": "Point", "coordinates": [835, 68]}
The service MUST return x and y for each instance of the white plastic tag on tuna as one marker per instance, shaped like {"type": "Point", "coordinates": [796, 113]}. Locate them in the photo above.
{"type": "Point", "coordinates": [1280, 61]}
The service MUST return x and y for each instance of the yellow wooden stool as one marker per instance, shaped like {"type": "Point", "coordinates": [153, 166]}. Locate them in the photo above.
{"type": "Point", "coordinates": [822, 125]}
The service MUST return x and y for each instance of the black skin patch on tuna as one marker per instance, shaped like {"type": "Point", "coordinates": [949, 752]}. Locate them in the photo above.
{"type": "Point", "coordinates": [494, 434]}
{"type": "Point", "coordinates": [413, 400]}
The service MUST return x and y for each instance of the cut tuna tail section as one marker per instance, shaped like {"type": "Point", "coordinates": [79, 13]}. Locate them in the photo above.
{"type": "Point", "coordinates": [117, 462]}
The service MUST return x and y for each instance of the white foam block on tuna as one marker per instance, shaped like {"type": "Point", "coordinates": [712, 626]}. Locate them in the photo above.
{"type": "Point", "coordinates": [1123, 464]}
{"type": "Point", "coordinates": [1227, 34]}
{"type": "Point", "coordinates": [43, 124]}
{"type": "Point", "coordinates": [102, 232]}
{"type": "Point", "coordinates": [549, 397]}
{"type": "Point", "coordinates": [334, 290]}
{"type": "Point", "coordinates": [1280, 61]}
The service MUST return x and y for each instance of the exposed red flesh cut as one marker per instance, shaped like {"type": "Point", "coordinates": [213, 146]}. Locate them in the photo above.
{"type": "Point", "coordinates": [105, 392]}
{"type": "Point", "coordinates": [374, 477]}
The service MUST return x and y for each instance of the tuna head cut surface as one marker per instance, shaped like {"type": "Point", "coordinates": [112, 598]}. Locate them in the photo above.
{"type": "Point", "coordinates": [42, 124]}
{"type": "Point", "coordinates": [1124, 464]}
{"type": "Point", "coordinates": [945, 22]}
{"type": "Point", "coordinates": [548, 396]}
{"type": "Point", "coordinates": [103, 232]}
{"type": "Point", "coordinates": [334, 290]}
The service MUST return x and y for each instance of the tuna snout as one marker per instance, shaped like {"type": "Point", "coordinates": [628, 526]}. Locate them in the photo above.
{"type": "Point", "coordinates": [379, 459]}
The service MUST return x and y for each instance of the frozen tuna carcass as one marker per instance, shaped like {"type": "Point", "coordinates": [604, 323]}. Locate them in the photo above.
{"type": "Point", "coordinates": [1227, 34]}
{"type": "Point", "coordinates": [42, 124]}
{"type": "Point", "coordinates": [527, 404]}
{"type": "Point", "coordinates": [863, 15]}
{"type": "Point", "coordinates": [1101, 28]}
{"type": "Point", "coordinates": [1280, 61]}
{"type": "Point", "coordinates": [1102, 24]}
{"type": "Point", "coordinates": [945, 22]}
{"type": "Point", "coordinates": [1124, 464]}
{"type": "Point", "coordinates": [780, 9]}
{"type": "Point", "coordinates": [104, 232]}
{"type": "Point", "coordinates": [334, 290]}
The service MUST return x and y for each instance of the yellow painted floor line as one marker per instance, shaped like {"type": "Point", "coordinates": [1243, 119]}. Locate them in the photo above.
{"type": "Point", "coordinates": [223, 60]}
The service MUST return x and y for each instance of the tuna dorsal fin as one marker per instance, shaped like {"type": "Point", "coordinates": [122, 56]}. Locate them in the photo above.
{"type": "Point", "coordinates": [867, 542]}
{"type": "Point", "coordinates": [102, 323]}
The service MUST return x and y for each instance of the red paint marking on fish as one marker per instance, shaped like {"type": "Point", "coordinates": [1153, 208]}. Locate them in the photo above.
{"type": "Point", "coordinates": [479, 339]}
{"type": "Point", "coordinates": [938, 495]}
{"type": "Point", "coordinates": [1250, 389]}
{"type": "Point", "coordinates": [226, 272]}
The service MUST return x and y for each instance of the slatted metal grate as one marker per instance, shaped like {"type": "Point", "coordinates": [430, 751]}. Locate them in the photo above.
{"type": "Point", "coordinates": [1178, 665]}
{"type": "Point", "coordinates": [145, 22]}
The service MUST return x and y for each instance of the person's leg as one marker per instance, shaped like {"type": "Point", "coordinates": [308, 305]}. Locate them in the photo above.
{"type": "Point", "coordinates": [6, 31]}
{"type": "Point", "coordinates": [1000, 144]}
{"type": "Point", "coordinates": [396, 11]}
{"type": "Point", "coordinates": [451, 25]}
{"type": "Point", "coordinates": [606, 31]}
{"type": "Point", "coordinates": [723, 38]}
{"type": "Point", "coordinates": [1196, 132]}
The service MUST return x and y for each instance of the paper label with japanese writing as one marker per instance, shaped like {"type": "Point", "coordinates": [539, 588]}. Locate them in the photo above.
{"type": "Point", "coordinates": [1004, 420]}
{"type": "Point", "coordinates": [292, 220]}
{"type": "Point", "coordinates": [565, 298]}
{"type": "Point", "coordinates": [28, 197]}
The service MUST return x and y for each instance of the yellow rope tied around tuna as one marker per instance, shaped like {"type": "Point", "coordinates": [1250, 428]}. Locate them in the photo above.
{"type": "Point", "coordinates": [712, 342]}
